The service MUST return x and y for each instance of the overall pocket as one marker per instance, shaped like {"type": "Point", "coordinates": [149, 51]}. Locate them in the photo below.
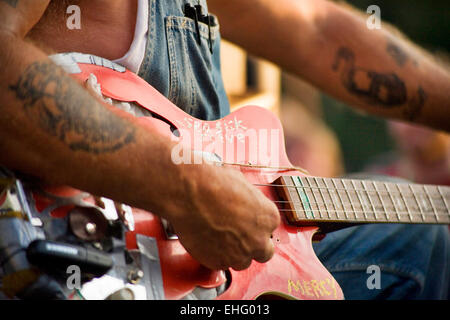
{"type": "Point", "coordinates": [193, 80]}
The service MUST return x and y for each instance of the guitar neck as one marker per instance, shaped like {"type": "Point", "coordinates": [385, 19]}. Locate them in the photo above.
{"type": "Point", "coordinates": [314, 200]}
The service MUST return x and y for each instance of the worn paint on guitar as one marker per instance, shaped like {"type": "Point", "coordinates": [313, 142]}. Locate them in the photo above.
{"type": "Point", "coordinates": [314, 288]}
{"type": "Point", "coordinates": [221, 130]}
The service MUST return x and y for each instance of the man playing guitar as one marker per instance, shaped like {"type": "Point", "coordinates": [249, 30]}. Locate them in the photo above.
{"type": "Point", "coordinates": [49, 123]}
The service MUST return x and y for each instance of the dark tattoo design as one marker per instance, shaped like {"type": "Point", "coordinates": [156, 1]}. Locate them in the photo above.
{"type": "Point", "coordinates": [12, 3]}
{"type": "Point", "coordinates": [397, 54]}
{"type": "Point", "coordinates": [65, 110]}
{"type": "Point", "coordinates": [384, 89]}
{"type": "Point", "coordinates": [414, 107]}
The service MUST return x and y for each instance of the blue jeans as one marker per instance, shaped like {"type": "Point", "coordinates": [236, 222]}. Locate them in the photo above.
{"type": "Point", "coordinates": [414, 261]}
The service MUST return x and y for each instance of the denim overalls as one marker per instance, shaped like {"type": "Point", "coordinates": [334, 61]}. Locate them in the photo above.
{"type": "Point", "coordinates": [175, 64]}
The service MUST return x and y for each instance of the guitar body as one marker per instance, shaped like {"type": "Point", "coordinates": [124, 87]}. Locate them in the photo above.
{"type": "Point", "coordinates": [294, 272]}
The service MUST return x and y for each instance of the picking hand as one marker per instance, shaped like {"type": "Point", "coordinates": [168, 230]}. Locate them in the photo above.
{"type": "Point", "coordinates": [227, 222]}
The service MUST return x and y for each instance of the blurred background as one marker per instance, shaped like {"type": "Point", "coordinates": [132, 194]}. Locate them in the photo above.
{"type": "Point", "coordinates": [330, 139]}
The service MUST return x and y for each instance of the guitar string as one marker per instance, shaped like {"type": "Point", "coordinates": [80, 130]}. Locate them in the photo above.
{"type": "Point", "coordinates": [406, 213]}
{"type": "Point", "coordinates": [317, 203]}
{"type": "Point", "coordinates": [382, 211]}
{"type": "Point", "coordinates": [411, 195]}
{"type": "Point", "coordinates": [305, 171]}
{"type": "Point", "coordinates": [343, 189]}
{"type": "Point", "coordinates": [361, 212]}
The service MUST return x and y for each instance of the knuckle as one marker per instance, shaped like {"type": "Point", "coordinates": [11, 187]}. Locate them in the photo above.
{"type": "Point", "coordinates": [275, 219]}
{"type": "Point", "coordinates": [219, 264]}
{"type": "Point", "coordinates": [242, 264]}
{"type": "Point", "coordinates": [271, 216]}
{"type": "Point", "coordinates": [265, 253]}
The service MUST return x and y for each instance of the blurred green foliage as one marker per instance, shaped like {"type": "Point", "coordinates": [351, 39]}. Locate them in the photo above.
{"type": "Point", "coordinates": [427, 22]}
{"type": "Point", "coordinates": [363, 138]}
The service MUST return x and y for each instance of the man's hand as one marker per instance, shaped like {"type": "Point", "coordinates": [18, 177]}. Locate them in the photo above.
{"type": "Point", "coordinates": [226, 222]}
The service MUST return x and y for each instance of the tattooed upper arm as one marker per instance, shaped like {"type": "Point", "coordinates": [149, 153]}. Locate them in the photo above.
{"type": "Point", "coordinates": [65, 110]}
{"type": "Point", "coordinates": [382, 89]}
{"type": "Point", "coordinates": [12, 3]}
{"type": "Point", "coordinates": [20, 16]}
{"type": "Point", "coordinates": [397, 53]}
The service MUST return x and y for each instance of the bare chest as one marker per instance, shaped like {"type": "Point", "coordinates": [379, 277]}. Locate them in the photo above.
{"type": "Point", "coordinates": [107, 34]}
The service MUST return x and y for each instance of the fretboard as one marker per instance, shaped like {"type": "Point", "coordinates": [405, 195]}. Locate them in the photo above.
{"type": "Point", "coordinates": [314, 199]}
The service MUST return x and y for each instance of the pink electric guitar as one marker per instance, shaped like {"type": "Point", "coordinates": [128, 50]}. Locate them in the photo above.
{"type": "Point", "coordinates": [251, 140]}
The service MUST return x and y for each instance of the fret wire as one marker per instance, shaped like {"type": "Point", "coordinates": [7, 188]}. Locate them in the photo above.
{"type": "Point", "coordinates": [314, 195]}
{"type": "Point", "coordinates": [369, 211]}
{"type": "Point", "coordinates": [308, 182]}
{"type": "Point", "coordinates": [390, 193]}
{"type": "Point", "coordinates": [404, 201]}
{"type": "Point", "coordinates": [297, 181]}
{"type": "Point", "coordinates": [417, 201]}
{"type": "Point", "coordinates": [349, 198]}
{"type": "Point", "coordinates": [381, 200]}
{"type": "Point", "coordinates": [360, 201]}
{"type": "Point", "coordinates": [368, 197]}
{"type": "Point", "coordinates": [293, 195]}
{"type": "Point", "coordinates": [321, 194]}
{"type": "Point", "coordinates": [431, 202]}
{"type": "Point", "coordinates": [392, 200]}
{"type": "Point", "coordinates": [333, 198]}
{"type": "Point", "coordinates": [340, 198]}
{"type": "Point", "coordinates": [401, 213]}
{"type": "Point", "coordinates": [312, 192]}
{"type": "Point", "coordinates": [370, 200]}
{"type": "Point", "coordinates": [443, 198]}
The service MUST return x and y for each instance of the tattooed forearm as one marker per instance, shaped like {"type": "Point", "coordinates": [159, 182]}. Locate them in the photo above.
{"type": "Point", "coordinates": [383, 89]}
{"type": "Point", "coordinates": [65, 110]}
{"type": "Point", "coordinates": [400, 56]}
{"type": "Point", "coordinates": [12, 3]}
